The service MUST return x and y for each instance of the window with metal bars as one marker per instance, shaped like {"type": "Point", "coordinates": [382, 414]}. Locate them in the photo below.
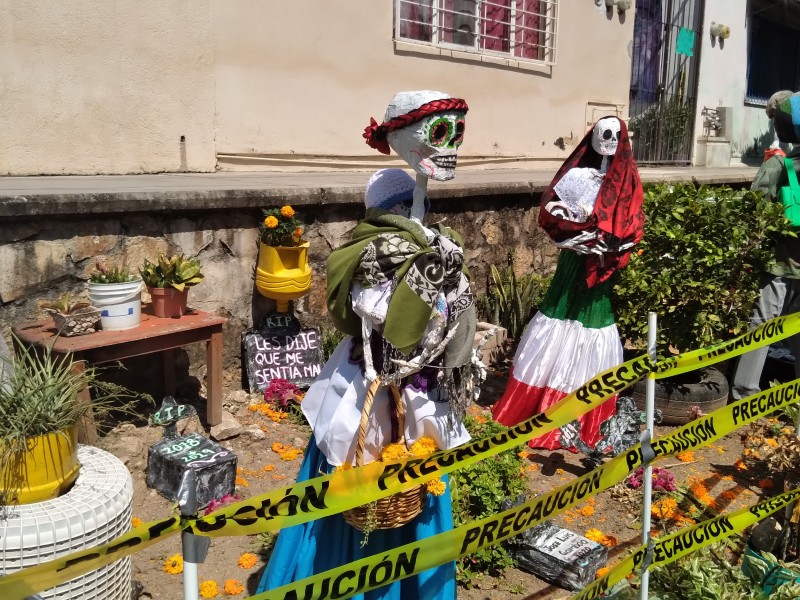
{"type": "Point", "coordinates": [774, 50]}
{"type": "Point", "coordinates": [518, 29]}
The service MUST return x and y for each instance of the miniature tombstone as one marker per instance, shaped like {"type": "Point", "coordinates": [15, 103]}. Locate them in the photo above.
{"type": "Point", "coordinates": [214, 467]}
{"type": "Point", "coordinates": [282, 349]}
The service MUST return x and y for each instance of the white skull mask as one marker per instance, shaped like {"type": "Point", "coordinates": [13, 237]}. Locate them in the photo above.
{"type": "Point", "coordinates": [429, 146]}
{"type": "Point", "coordinates": [605, 136]}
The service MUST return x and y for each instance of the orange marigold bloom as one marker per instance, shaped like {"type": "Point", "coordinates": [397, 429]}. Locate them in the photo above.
{"type": "Point", "coordinates": [601, 538]}
{"type": "Point", "coordinates": [287, 211]}
{"type": "Point", "coordinates": [174, 564]}
{"type": "Point", "coordinates": [685, 456]}
{"type": "Point", "coordinates": [136, 522]}
{"type": "Point", "coordinates": [586, 511]}
{"type": "Point", "coordinates": [435, 487]}
{"type": "Point", "coordinates": [666, 508]}
{"type": "Point", "coordinates": [233, 587]}
{"type": "Point", "coordinates": [241, 481]}
{"type": "Point", "coordinates": [772, 442]}
{"type": "Point", "coordinates": [603, 571]}
{"type": "Point", "coordinates": [268, 468]}
{"type": "Point", "coordinates": [298, 231]}
{"type": "Point", "coordinates": [291, 454]}
{"type": "Point", "coordinates": [740, 466]}
{"type": "Point", "coordinates": [424, 446]}
{"type": "Point", "coordinates": [277, 447]}
{"type": "Point", "coordinates": [209, 589]}
{"type": "Point", "coordinates": [270, 222]}
{"type": "Point", "coordinates": [247, 560]}
{"type": "Point", "coordinates": [393, 452]}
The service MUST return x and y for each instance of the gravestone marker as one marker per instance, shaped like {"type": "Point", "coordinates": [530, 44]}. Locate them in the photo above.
{"type": "Point", "coordinates": [282, 349]}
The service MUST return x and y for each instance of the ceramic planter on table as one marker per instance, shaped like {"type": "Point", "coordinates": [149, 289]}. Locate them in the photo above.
{"type": "Point", "coordinates": [283, 273]}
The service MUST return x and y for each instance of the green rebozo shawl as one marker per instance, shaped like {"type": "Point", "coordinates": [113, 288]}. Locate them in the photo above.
{"type": "Point", "coordinates": [412, 302]}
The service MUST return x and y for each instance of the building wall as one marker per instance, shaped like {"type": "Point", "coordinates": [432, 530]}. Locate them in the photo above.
{"type": "Point", "coordinates": [294, 95]}
{"type": "Point", "coordinates": [106, 87]}
{"type": "Point", "coordinates": [723, 80]}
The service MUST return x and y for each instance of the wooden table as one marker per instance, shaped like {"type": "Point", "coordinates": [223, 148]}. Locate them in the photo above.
{"type": "Point", "coordinates": [152, 335]}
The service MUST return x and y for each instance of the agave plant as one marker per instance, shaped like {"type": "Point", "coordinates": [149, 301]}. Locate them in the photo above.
{"type": "Point", "coordinates": [66, 305]}
{"type": "Point", "coordinates": [178, 272]}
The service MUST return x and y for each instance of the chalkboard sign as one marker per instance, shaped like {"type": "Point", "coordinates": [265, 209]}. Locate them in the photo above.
{"type": "Point", "coordinates": [282, 349]}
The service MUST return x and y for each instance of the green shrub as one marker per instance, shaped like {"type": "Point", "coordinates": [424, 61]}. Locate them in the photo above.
{"type": "Point", "coordinates": [330, 339]}
{"type": "Point", "coordinates": [697, 266]}
{"type": "Point", "coordinates": [511, 301]}
{"type": "Point", "coordinates": [477, 492]}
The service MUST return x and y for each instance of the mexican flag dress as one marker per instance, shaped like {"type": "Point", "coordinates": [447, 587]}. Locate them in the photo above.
{"type": "Point", "coordinates": [573, 337]}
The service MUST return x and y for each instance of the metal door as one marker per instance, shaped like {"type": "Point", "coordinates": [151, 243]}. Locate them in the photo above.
{"type": "Point", "coordinates": [663, 94]}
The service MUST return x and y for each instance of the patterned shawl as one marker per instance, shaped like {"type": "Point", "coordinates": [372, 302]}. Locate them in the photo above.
{"type": "Point", "coordinates": [617, 212]}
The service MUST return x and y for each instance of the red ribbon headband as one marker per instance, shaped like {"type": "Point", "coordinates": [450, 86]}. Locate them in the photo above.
{"type": "Point", "coordinates": [375, 134]}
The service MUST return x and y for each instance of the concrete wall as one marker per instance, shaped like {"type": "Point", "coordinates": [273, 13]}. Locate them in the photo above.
{"type": "Point", "coordinates": [106, 87]}
{"type": "Point", "coordinates": [723, 80]}
{"type": "Point", "coordinates": [298, 82]}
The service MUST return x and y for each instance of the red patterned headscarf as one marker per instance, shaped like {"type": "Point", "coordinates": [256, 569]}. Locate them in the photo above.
{"type": "Point", "coordinates": [617, 212]}
{"type": "Point", "coordinates": [375, 134]}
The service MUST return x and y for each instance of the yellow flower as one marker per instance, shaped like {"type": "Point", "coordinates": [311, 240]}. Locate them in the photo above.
{"type": "Point", "coordinates": [601, 538]}
{"type": "Point", "coordinates": [174, 564]}
{"type": "Point", "coordinates": [291, 454]}
{"type": "Point", "coordinates": [685, 456]}
{"type": "Point", "coordinates": [423, 447]}
{"type": "Point", "coordinates": [136, 522]}
{"type": "Point", "coordinates": [270, 222]}
{"type": "Point", "coordinates": [666, 508]}
{"type": "Point", "coordinates": [241, 481]}
{"type": "Point", "coordinates": [772, 442]}
{"type": "Point", "coordinates": [247, 560]}
{"type": "Point", "coordinates": [232, 587]}
{"type": "Point", "coordinates": [278, 448]}
{"type": "Point", "coordinates": [436, 487]}
{"type": "Point", "coordinates": [268, 468]}
{"type": "Point", "coordinates": [603, 571]}
{"type": "Point", "coordinates": [298, 231]}
{"type": "Point", "coordinates": [287, 211]}
{"type": "Point", "coordinates": [393, 452]}
{"type": "Point", "coordinates": [209, 589]}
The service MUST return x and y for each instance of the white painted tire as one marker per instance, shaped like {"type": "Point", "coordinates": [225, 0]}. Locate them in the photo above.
{"type": "Point", "coordinates": [96, 510]}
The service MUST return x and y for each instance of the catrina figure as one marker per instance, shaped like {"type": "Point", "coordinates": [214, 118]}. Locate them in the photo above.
{"type": "Point", "coordinates": [592, 210]}
{"type": "Point", "coordinates": [399, 292]}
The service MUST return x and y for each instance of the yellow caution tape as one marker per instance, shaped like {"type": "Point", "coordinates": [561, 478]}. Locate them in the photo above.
{"type": "Point", "coordinates": [368, 573]}
{"type": "Point", "coordinates": [24, 583]}
{"type": "Point", "coordinates": [340, 491]}
{"type": "Point", "coordinates": [681, 543]}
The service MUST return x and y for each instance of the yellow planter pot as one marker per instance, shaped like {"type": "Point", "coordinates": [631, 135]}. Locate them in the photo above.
{"type": "Point", "coordinates": [46, 470]}
{"type": "Point", "coordinates": [283, 273]}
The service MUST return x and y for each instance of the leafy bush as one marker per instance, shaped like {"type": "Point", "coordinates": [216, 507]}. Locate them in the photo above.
{"type": "Point", "coordinates": [477, 491]}
{"type": "Point", "coordinates": [511, 301]}
{"type": "Point", "coordinates": [330, 339]}
{"type": "Point", "coordinates": [697, 266]}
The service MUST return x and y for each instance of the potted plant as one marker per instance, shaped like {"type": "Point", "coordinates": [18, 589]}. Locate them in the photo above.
{"type": "Point", "coordinates": [697, 267]}
{"type": "Point", "coordinates": [283, 272]}
{"type": "Point", "coordinates": [40, 411]}
{"type": "Point", "coordinates": [168, 280]}
{"type": "Point", "coordinates": [118, 295]}
{"type": "Point", "coordinates": [72, 317]}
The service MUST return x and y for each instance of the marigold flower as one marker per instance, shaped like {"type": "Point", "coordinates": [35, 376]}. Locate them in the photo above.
{"type": "Point", "coordinates": [209, 589]}
{"type": "Point", "coordinates": [291, 453]}
{"type": "Point", "coordinates": [277, 447]}
{"type": "Point", "coordinates": [174, 564]}
{"type": "Point", "coordinates": [232, 587]}
{"type": "Point", "coordinates": [241, 481]}
{"type": "Point", "coordinates": [393, 452]}
{"type": "Point", "coordinates": [740, 466]}
{"type": "Point", "coordinates": [423, 446]}
{"type": "Point", "coordinates": [772, 442]}
{"type": "Point", "coordinates": [685, 456]}
{"type": "Point", "coordinates": [247, 560]}
{"type": "Point", "coordinates": [268, 468]}
{"type": "Point", "coordinates": [270, 222]}
{"type": "Point", "coordinates": [666, 508]}
{"type": "Point", "coordinates": [287, 211]}
{"type": "Point", "coordinates": [298, 231]}
{"type": "Point", "coordinates": [136, 522]}
{"type": "Point", "coordinates": [601, 538]}
{"type": "Point", "coordinates": [603, 571]}
{"type": "Point", "coordinates": [436, 487]}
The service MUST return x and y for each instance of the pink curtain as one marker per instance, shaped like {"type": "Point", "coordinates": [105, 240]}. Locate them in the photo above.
{"type": "Point", "coordinates": [496, 27]}
{"type": "Point", "coordinates": [416, 20]}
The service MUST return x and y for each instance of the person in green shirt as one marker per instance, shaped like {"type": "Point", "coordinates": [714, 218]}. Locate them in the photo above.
{"type": "Point", "coordinates": [780, 286]}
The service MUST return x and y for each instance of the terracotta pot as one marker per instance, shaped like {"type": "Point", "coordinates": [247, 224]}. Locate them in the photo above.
{"type": "Point", "coordinates": [283, 273]}
{"type": "Point", "coordinates": [168, 302]}
{"type": "Point", "coordinates": [44, 471]}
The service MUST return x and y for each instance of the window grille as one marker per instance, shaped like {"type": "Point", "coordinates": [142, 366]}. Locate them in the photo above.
{"type": "Point", "coordinates": [518, 29]}
{"type": "Point", "coordinates": [773, 55]}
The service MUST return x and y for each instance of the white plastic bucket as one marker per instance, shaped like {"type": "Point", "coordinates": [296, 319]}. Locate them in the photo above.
{"type": "Point", "coordinates": [120, 304]}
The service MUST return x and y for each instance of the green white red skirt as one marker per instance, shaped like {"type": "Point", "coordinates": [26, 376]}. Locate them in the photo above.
{"type": "Point", "coordinates": [571, 339]}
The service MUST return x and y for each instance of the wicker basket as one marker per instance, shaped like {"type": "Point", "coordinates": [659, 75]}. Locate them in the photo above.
{"type": "Point", "coordinates": [391, 511]}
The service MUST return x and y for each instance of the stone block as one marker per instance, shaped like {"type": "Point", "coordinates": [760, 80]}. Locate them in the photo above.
{"type": "Point", "coordinates": [214, 467]}
{"type": "Point", "coordinates": [496, 348]}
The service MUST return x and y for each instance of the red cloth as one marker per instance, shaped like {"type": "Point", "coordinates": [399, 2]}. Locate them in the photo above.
{"type": "Point", "coordinates": [617, 211]}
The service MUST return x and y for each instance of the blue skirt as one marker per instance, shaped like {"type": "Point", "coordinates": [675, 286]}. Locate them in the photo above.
{"type": "Point", "coordinates": [296, 554]}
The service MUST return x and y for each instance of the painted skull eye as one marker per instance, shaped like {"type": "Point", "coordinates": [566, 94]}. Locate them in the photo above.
{"type": "Point", "coordinates": [440, 131]}
{"type": "Point", "coordinates": [608, 134]}
{"type": "Point", "coordinates": [459, 137]}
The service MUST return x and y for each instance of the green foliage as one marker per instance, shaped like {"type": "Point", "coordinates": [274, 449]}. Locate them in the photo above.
{"type": "Point", "coordinates": [115, 274]}
{"type": "Point", "coordinates": [708, 574]}
{"type": "Point", "coordinates": [66, 304]}
{"type": "Point", "coordinates": [330, 339]}
{"type": "Point", "coordinates": [178, 272]}
{"type": "Point", "coordinates": [280, 227]}
{"type": "Point", "coordinates": [477, 491]}
{"type": "Point", "coordinates": [511, 301]}
{"type": "Point", "coordinates": [698, 264]}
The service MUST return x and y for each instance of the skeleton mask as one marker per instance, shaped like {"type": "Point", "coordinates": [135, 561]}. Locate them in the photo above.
{"type": "Point", "coordinates": [428, 145]}
{"type": "Point", "coordinates": [605, 136]}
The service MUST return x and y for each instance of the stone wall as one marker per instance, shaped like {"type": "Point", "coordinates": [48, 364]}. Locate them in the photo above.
{"type": "Point", "coordinates": [42, 256]}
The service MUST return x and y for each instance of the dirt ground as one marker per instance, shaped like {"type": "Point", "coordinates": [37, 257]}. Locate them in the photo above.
{"type": "Point", "coordinates": [262, 469]}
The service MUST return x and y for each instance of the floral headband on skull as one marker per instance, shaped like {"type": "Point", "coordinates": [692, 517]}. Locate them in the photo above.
{"type": "Point", "coordinates": [375, 135]}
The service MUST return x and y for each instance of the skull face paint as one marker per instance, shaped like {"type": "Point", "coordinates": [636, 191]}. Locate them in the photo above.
{"type": "Point", "coordinates": [430, 145]}
{"type": "Point", "coordinates": [605, 136]}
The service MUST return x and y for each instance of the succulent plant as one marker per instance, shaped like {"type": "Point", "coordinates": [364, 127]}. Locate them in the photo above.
{"type": "Point", "coordinates": [66, 305]}
{"type": "Point", "coordinates": [178, 272]}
